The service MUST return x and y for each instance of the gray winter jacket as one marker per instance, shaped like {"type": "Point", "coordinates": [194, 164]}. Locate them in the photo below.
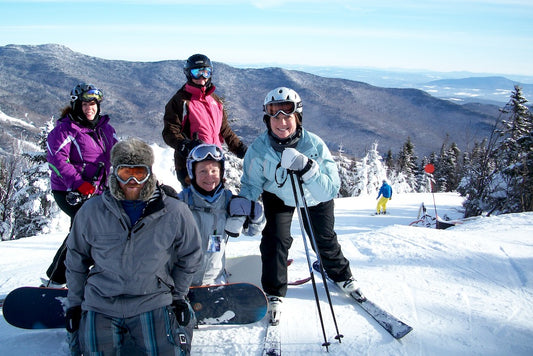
{"type": "Point", "coordinates": [212, 218]}
{"type": "Point", "coordinates": [136, 269]}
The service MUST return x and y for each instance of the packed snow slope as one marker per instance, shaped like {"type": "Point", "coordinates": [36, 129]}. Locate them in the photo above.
{"type": "Point", "coordinates": [466, 290]}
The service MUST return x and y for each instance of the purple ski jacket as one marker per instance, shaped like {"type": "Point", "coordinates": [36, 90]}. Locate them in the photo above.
{"type": "Point", "coordinates": [74, 154]}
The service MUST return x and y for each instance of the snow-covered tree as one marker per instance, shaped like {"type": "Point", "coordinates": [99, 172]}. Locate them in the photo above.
{"type": "Point", "coordinates": [34, 205]}
{"type": "Point", "coordinates": [28, 207]}
{"type": "Point", "coordinates": [448, 171]}
{"type": "Point", "coordinates": [498, 180]}
{"type": "Point", "coordinates": [10, 168]}
{"type": "Point", "coordinates": [407, 163]}
{"type": "Point", "coordinates": [370, 172]}
{"type": "Point", "coordinates": [347, 171]}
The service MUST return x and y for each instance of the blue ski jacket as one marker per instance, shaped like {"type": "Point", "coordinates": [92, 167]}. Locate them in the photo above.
{"type": "Point", "coordinates": [385, 190]}
{"type": "Point", "coordinates": [262, 171]}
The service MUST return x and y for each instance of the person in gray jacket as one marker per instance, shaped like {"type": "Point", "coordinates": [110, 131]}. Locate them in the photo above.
{"type": "Point", "coordinates": [218, 213]}
{"type": "Point", "coordinates": [131, 256]}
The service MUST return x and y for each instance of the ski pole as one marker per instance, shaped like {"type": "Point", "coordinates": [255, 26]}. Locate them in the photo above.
{"type": "Point", "coordinates": [311, 272]}
{"type": "Point", "coordinates": [319, 258]}
{"type": "Point", "coordinates": [432, 182]}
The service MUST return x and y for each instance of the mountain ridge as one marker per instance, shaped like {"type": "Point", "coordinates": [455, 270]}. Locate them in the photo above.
{"type": "Point", "coordinates": [35, 82]}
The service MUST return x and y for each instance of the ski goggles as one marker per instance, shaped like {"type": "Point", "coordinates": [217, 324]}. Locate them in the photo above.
{"type": "Point", "coordinates": [205, 72]}
{"type": "Point", "coordinates": [285, 107]}
{"type": "Point", "coordinates": [126, 172]}
{"type": "Point", "coordinates": [89, 95]}
{"type": "Point", "coordinates": [203, 151]}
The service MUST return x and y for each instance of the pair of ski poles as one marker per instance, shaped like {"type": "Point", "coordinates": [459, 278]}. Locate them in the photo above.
{"type": "Point", "coordinates": [296, 180]}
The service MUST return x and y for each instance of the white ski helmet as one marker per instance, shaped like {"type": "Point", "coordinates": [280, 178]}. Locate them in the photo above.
{"type": "Point", "coordinates": [283, 94]}
{"type": "Point", "coordinates": [205, 152]}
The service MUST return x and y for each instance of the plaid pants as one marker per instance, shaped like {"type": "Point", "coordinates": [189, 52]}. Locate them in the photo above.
{"type": "Point", "coordinates": [152, 333]}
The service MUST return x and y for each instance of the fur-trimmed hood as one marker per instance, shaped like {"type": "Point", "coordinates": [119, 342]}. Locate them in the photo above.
{"type": "Point", "coordinates": [132, 151]}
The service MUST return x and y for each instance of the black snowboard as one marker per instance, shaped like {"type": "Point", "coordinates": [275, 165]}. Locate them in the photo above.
{"type": "Point", "coordinates": [43, 308]}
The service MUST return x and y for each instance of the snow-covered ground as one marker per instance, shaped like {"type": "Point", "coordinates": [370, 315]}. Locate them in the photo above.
{"type": "Point", "coordinates": [467, 290]}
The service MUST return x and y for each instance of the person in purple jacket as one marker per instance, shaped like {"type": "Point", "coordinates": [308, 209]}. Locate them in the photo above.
{"type": "Point", "coordinates": [78, 154]}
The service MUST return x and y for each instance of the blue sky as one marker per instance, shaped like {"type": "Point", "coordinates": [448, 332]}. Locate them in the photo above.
{"type": "Point", "coordinates": [493, 36]}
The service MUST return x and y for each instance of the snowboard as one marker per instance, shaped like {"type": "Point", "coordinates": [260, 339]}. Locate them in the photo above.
{"type": "Point", "coordinates": [235, 303]}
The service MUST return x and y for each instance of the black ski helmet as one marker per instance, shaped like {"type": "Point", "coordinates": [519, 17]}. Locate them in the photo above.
{"type": "Point", "coordinates": [196, 61]}
{"type": "Point", "coordinates": [85, 92]}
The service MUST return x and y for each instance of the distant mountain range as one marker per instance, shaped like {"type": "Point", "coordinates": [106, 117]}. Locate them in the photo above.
{"type": "Point", "coordinates": [35, 82]}
{"type": "Point", "coordinates": [459, 87]}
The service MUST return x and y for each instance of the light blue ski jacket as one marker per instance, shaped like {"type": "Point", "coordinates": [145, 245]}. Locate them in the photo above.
{"type": "Point", "coordinates": [262, 171]}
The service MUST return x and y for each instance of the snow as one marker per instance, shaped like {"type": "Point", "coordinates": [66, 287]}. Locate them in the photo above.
{"type": "Point", "coordinates": [466, 290]}
{"type": "Point", "coordinates": [13, 121]}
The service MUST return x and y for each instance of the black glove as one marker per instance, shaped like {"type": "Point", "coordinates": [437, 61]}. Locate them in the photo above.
{"type": "Point", "coordinates": [187, 145]}
{"type": "Point", "coordinates": [73, 318]}
{"type": "Point", "coordinates": [241, 151]}
{"type": "Point", "coordinates": [182, 311]}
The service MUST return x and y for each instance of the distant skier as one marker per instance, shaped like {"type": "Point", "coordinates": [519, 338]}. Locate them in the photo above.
{"type": "Point", "coordinates": [386, 194]}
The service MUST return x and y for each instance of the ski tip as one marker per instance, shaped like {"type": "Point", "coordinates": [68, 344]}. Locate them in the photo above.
{"type": "Point", "coordinates": [403, 332]}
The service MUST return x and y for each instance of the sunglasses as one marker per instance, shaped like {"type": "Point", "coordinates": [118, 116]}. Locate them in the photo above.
{"type": "Point", "coordinates": [201, 152]}
{"type": "Point", "coordinates": [205, 72]}
{"type": "Point", "coordinates": [126, 172]}
{"type": "Point", "coordinates": [285, 107]}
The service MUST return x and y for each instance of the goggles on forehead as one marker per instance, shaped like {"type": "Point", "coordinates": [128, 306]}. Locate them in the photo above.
{"type": "Point", "coordinates": [205, 72]}
{"type": "Point", "coordinates": [89, 95]}
{"type": "Point", "coordinates": [126, 172]}
{"type": "Point", "coordinates": [285, 107]}
{"type": "Point", "coordinates": [201, 153]}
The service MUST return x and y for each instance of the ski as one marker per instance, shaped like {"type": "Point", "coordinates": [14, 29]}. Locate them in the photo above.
{"type": "Point", "coordinates": [389, 322]}
{"type": "Point", "coordinates": [272, 342]}
{"type": "Point", "coordinates": [299, 281]}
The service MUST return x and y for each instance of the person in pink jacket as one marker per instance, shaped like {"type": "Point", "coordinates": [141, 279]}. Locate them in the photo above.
{"type": "Point", "coordinates": [195, 115]}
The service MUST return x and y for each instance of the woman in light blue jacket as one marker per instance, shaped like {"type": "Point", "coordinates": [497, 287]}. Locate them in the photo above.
{"type": "Point", "coordinates": [285, 146]}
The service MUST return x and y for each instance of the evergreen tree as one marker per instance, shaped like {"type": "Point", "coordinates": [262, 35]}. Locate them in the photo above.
{"type": "Point", "coordinates": [422, 179]}
{"type": "Point", "coordinates": [347, 173]}
{"type": "Point", "coordinates": [10, 167]}
{"type": "Point", "coordinates": [370, 173]}
{"type": "Point", "coordinates": [515, 148]}
{"type": "Point", "coordinates": [407, 163]}
{"type": "Point", "coordinates": [33, 203]}
{"type": "Point", "coordinates": [499, 179]}
{"type": "Point", "coordinates": [389, 160]}
{"type": "Point", "coordinates": [476, 173]}
{"type": "Point", "coordinates": [448, 172]}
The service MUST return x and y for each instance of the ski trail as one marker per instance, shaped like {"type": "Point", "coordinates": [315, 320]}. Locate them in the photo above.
{"type": "Point", "coordinates": [519, 272]}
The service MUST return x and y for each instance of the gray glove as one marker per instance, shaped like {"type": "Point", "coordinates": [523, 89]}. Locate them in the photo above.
{"type": "Point", "coordinates": [240, 206]}
{"type": "Point", "coordinates": [293, 160]}
{"type": "Point", "coordinates": [234, 225]}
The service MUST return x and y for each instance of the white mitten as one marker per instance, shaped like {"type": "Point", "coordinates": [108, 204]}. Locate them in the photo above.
{"type": "Point", "coordinates": [293, 160]}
